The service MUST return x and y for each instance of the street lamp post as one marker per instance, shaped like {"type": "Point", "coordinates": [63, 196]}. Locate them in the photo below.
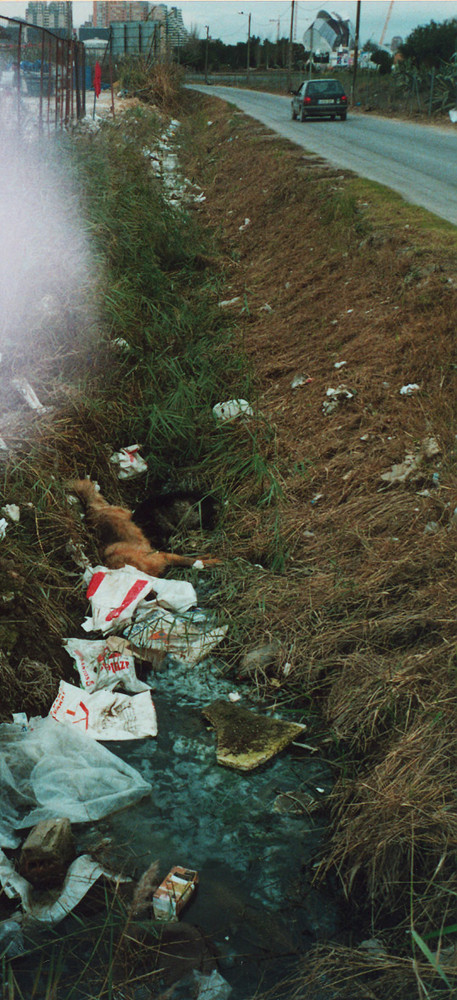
{"type": "Point", "coordinates": [248, 60]}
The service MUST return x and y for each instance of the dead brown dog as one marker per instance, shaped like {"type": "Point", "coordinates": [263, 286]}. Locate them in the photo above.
{"type": "Point", "coordinates": [123, 541]}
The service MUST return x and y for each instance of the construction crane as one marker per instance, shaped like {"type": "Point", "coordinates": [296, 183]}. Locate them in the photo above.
{"type": "Point", "coordinates": [381, 40]}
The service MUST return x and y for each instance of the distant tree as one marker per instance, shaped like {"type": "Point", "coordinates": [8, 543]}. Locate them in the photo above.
{"type": "Point", "coordinates": [431, 44]}
{"type": "Point", "coordinates": [381, 58]}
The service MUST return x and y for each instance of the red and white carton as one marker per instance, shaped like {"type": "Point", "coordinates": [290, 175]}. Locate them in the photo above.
{"type": "Point", "coordinates": [105, 715]}
{"type": "Point", "coordinates": [174, 893]}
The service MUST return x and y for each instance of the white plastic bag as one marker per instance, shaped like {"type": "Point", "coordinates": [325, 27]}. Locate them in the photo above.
{"type": "Point", "coordinates": [105, 715]}
{"type": "Point", "coordinates": [232, 409]}
{"type": "Point", "coordinates": [116, 593]}
{"type": "Point", "coordinates": [48, 771]}
{"type": "Point", "coordinates": [105, 663]}
{"type": "Point", "coordinates": [130, 462]}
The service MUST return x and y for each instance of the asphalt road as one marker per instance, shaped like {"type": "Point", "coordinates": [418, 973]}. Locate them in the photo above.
{"type": "Point", "coordinates": [418, 161]}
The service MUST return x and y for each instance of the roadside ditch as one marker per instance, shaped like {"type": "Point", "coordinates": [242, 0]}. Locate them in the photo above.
{"type": "Point", "coordinates": [317, 298]}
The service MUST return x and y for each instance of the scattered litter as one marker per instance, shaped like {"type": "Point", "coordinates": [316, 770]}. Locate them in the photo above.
{"type": "Point", "coordinates": [209, 123]}
{"type": "Point", "coordinates": [105, 715]}
{"type": "Point", "coordinates": [78, 555]}
{"type": "Point", "coordinates": [453, 115]}
{"type": "Point", "coordinates": [116, 593]}
{"type": "Point", "coordinates": [296, 802]}
{"type": "Point", "coordinates": [3, 445]}
{"type": "Point", "coordinates": [232, 409]}
{"type": "Point", "coordinates": [424, 493]}
{"type": "Point", "coordinates": [410, 389]}
{"type": "Point", "coordinates": [105, 664]}
{"type": "Point", "coordinates": [120, 342]}
{"type": "Point", "coordinates": [28, 394]}
{"type": "Point", "coordinates": [436, 479]}
{"type": "Point", "coordinates": [174, 893]}
{"type": "Point", "coordinates": [51, 771]}
{"type": "Point", "coordinates": [430, 447]}
{"type": "Point", "coordinates": [340, 364]}
{"type": "Point", "coordinates": [412, 462]}
{"type": "Point", "coordinates": [317, 497]}
{"type": "Point", "coordinates": [229, 302]}
{"type": "Point", "coordinates": [198, 564]}
{"type": "Point", "coordinates": [431, 528]}
{"type": "Point", "coordinates": [365, 437]}
{"type": "Point", "coordinates": [245, 225]}
{"type": "Point", "coordinates": [81, 875]}
{"type": "Point", "coordinates": [3, 527]}
{"type": "Point", "coordinates": [300, 380]}
{"type": "Point", "coordinates": [245, 739]}
{"type": "Point", "coordinates": [188, 637]}
{"type": "Point", "coordinates": [12, 511]}
{"type": "Point", "coordinates": [234, 696]}
{"type": "Point", "coordinates": [287, 669]}
{"type": "Point", "coordinates": [130, 462]}
{"type": "Point", "coordinates": [373, 945]}
{"type": "Point", "coordinates": [266, 308]}
{"type": "Point", "coordinates": [310, 534]}
{"type": "Point", "coordinates": [336, 396]}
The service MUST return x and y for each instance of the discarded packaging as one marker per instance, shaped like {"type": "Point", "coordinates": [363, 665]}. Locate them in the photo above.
{"type": "Point", "coordinates": [115, 594]}
{"type": "Point", "coordinates": [49, 771]}
{"type": "Point", "coordinates": [80, 876]}
{"type": "Point", "coordinates": [229, 302]}
{"type": "Point", "coordinates": [105, 664]}
{"type": "Point", "coordinates": [130, 462]}
{"type": "Point", "coordinates": [300, 380]}
{"type": "Point", "coordinates": [201, 986]}
{"type": "Point", "coordinates": [399, 473]}
{"type": "Point", "coordinates": [174, 893]}
{"type": "Point", "coordinates": [339, 364]}
{"type": "Point", "coordinates": [245, 225]}
{"type": "Point", "coordinates": [28, 394]}
{"type": "Point", "coordinates": [410, 389]}
{"type": "Point", "coordinates": [232, 409]}
{"type": "Point", "coordinates": [12, 511]}
{"type": "Point", "coordinates": [453, 115]}
{"type": "Point", "coordinates": [183, 637]}
{"type": "Point", "coordinates": [3, 527]}
{"type": "Point", "coordinates": [245, 739]}
{"type": "Point", "coordinates": [336, 396]}
{"type": "Point", "coordinates": [105, 715]}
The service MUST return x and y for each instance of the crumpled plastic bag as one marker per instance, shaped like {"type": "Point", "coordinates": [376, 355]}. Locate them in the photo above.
{"type": "Point", "coordinates": [232, 409]}
{"type": "Point", "coordinates": [49, 771]}
{"type": "Point", "coordinates": [105, 663]}
{"type": "Point", "coordinates": [188, 637]}
{"type": "Point", "coordinates": [81, 875]}
{"type": "Point", "coordinates": [105, 715]}
{"type": "Point", "coordinates": [130, 462]}
{"type": "Point", "coordinates": [116, 593]}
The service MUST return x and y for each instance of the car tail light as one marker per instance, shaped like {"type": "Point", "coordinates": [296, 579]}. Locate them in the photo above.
{"type": "Point", "coordinates": [343, 98]}
{"type": "Point", "coordinates": [306, 100]}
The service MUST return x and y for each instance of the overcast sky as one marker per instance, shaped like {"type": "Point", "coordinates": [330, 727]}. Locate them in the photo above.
{"type": "Point", "coordinates": [225, 21]}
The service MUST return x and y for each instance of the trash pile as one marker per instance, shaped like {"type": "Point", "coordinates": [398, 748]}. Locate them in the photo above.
{"type": "Point", "coordinates": [55, 773]}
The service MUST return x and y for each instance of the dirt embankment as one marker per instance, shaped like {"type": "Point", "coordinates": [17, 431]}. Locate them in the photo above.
{"type": "Point", "coordinates": [341, 283]}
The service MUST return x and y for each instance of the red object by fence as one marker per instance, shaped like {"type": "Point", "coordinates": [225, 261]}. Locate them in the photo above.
{"type": "Point", "coordinates": [97, 79]}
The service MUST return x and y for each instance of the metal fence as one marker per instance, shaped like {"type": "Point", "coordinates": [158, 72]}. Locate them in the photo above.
{"type": "Point", "coordinates": [42, 75]}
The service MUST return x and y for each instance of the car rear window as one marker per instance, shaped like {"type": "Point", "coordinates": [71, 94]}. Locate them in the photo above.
{"type": "Point", "coordinates": [324, 88]}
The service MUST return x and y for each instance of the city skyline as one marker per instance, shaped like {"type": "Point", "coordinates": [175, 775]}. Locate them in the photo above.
{"type": "Point", "coordinates": [225, 20]}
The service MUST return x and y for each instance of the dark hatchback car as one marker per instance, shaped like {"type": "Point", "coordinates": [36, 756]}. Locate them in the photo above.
{"type": "Point", "coordinates": [320, 99]}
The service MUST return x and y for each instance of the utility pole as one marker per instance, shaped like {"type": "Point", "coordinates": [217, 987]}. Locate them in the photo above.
{"type": "Point", "coordinates": [291, 42]}
{"type": "Point", "coordinates": [249, 47]}
{"type": "Point", "coordinates": [206, 53]}
{"type": "Point", "coordinates": [310, 64]}
{"type": "Point", "coordinates": [356, 51]}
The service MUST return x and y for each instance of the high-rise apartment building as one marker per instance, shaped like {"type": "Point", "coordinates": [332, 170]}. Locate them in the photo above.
{"type": "Point", "coordinates": [55, 16]}
{"type": "Point", "coordinates": [105, 12]}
